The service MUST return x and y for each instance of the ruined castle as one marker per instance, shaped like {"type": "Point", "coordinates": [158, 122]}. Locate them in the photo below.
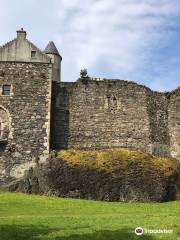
{"type": "Point", "coordinates": [38, 112]}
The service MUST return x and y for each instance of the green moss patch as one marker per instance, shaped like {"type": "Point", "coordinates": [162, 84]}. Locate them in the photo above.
{"type": "Point", "coordinates": [120, 159]}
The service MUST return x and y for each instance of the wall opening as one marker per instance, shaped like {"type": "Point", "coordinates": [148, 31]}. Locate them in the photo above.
{"type": "Point", "coordinates": [112, 103]}
{"type": "Point", "coordinates": [33, 54]}
{"type": "Point", "coordinates": [6, 90]}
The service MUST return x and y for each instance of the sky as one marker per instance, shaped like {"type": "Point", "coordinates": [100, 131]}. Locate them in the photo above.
{"type": "Point", "coordinates": [137, 40]}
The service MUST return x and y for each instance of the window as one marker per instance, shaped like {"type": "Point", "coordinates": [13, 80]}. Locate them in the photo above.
{"type": "Point", "coordinates": [112, 103]}
{"type": "Point", "coordinates": [33, 54]}
{"type": "Point", "coordinates": [6, 90]}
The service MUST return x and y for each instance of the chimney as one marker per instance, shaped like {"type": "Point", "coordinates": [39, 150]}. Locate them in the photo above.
{"type": "Point", "coordinates": [21, 34]}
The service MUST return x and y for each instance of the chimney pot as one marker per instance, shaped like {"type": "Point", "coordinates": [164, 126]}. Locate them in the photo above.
{"type": "Point", "coordinates": [21, 34]}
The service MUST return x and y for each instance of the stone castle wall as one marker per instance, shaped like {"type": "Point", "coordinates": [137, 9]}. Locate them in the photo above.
{"type": "Point", "coordinates": [158, 120]}
{"type": "Point", "coordinates": [91, 114]}
{"type": "Point", "coordinates": [28, 112]}
{"type": "Point", "coordinates": [174, 123]}
{"type": "Point", "coordinates": [86, 114]}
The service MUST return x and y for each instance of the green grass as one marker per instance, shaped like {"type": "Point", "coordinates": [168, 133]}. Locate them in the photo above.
{"type": "Point", "coordinates": [26, 217]}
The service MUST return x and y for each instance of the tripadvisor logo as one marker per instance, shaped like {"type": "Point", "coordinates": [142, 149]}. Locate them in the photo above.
{"type": "Point", "coordinates": [139, 231]}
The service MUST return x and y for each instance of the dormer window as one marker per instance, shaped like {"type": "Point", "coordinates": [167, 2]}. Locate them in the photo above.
{"type": "Point", "coordinates": [33, 54]}
{"type": "Point", "coordinates": [6, 90]}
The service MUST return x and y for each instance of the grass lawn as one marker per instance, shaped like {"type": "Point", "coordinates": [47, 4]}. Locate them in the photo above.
{"type": "Point", "coordinates": [25, 217]}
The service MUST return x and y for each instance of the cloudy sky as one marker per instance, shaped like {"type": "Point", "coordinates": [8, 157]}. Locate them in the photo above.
{"type": "Point", "coordinates": [136, 40]}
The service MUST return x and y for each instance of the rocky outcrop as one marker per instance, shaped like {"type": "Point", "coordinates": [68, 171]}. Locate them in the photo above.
{"type": "Point", "coordinates": [132, 180]}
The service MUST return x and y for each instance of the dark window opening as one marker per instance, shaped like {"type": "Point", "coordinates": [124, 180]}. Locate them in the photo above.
{"type": "Point", "coordinates": [33, 54]}
{"type": "Point", "coordinates": [6, 90]}
{"type": "Point", "coordinates": [112, 103]}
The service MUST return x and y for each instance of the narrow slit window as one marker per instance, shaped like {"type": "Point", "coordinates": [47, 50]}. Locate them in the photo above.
{"type": "Point", "coordinates": [6, 90]}
{"type": "Point", "coordinates": [33, 54]}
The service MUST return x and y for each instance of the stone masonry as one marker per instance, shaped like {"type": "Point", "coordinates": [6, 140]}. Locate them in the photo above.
{"type": "Point", "coordinates": [38, 112]}
{"type": "Point", "coordinates": [27, 109]}
{"type": "Point", "coordinates": [90, 114]}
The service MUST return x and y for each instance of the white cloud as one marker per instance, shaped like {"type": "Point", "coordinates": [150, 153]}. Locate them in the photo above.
{"type": "Point", "coordinates": [121, 33]}
{"type": "Point", "coordinates": [112, 38]}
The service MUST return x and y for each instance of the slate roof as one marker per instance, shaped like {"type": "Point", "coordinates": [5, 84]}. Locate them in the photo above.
{"type": "Point", "coordinates": [51, 49]}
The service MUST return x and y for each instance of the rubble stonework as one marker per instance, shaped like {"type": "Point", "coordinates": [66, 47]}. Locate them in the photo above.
{"type": "Point", "coordinates": [28, 108]}
{"type": "Point", "coordinates": [42, 113]}
{"type": "Point", "coordinates": [92, 114]}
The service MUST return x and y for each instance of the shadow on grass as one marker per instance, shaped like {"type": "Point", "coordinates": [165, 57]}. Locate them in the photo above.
{"type": "Point", "coordinates": [122, 234]}
{"type": "Point", "coordinates": [22, 232]}
{"type": "Point", "coordinates": [30, 232]}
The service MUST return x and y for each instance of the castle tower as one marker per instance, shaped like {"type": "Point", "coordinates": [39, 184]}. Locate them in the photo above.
{"type": "Point", "coordinates": [25, 103]}
{"type": "Point", "coordinates": [56, 59]}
